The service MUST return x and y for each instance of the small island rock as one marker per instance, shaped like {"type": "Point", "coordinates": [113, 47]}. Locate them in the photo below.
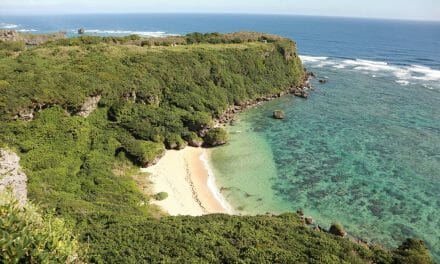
{"type": "Point", "coordinates": [81, 31]}
{"type": "Point", "coordinates": [278, 114]}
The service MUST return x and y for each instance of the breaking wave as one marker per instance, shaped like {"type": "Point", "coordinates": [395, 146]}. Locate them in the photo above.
{"type": "Point", "coordinates": [7, 26]}
{"type": "Point", "coordinates": [129, 32]}
{"type": "Point", "coordinates": [404, 75]}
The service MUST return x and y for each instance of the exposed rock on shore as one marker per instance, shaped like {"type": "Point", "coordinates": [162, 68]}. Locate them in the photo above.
{"type": "Point", "coordinates": [299, 91]}
{"type": "Point", "coordinates": [11, 175]}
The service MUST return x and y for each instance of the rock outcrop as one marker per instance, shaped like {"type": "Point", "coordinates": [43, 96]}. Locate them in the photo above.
{"type": "Point", "coordinates": [300, 91]}
{"type": "Point", "coordinates": [89, 106]}
{"type": "Point", "coordinates": [11, 176]}
{"type": "Point", "coordinates": [9, 35]}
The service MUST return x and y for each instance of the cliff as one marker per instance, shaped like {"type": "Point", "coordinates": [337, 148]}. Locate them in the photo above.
{"type": "Point", "coordinates": [81, 112]}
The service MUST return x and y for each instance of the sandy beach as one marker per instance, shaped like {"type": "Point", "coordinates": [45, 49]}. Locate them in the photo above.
{"type": "Point", "coordinates": [190, 184]}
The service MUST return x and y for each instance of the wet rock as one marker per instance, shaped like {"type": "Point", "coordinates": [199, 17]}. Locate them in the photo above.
{"type": "Point", "coordinates": [81, 31]}
{"type": "Point", "coordinates": [278, 114]}
{"type": "Point", "coordinates": [309, 220]}
{"type": "Point", "coordinates": [322, 81]}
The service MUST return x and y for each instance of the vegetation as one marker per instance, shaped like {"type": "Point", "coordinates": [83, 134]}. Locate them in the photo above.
{"type": "Point", "coordinates": [412, 251]}
{"type": "Point", "coordinates": [337, 229]}
{"type": "Point", "coordinates": [161, 196]}
{"type": "Point", "coordinates": [152, 97]}
{"type": "Point", "coordinates": [29, 237]}
{"type": "Point", "coordinates": [216, 136]}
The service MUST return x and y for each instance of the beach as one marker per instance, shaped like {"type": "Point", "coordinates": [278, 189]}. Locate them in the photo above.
{"type": "Point", "coordinates": [185, 176]}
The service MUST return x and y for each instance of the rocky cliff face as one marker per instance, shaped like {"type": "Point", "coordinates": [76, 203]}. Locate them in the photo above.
{"type": "Point", "coordinates": [11, 176]}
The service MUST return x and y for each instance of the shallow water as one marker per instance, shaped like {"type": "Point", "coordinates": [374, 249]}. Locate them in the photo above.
{"type": "Point", "coordinates": [363, 150]}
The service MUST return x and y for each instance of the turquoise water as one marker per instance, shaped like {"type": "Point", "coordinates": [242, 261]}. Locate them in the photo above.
{"type": "Point", "coordinates": [364, 150]}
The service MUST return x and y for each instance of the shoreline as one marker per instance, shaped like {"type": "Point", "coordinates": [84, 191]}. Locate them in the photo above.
{"type": "Point", "coordinates": [188, 180]}
{"type": "Point", "coordinates": [193, 191]}
{"type": "Point", "coordinates": [301, 91]}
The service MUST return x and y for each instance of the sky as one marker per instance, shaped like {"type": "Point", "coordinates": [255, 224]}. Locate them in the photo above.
{"type": "Point", "coordinates": [390, 9]}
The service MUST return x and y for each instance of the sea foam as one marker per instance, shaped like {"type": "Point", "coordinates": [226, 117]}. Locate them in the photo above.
{"type": "Point", "coordinates": [213, 186]}
{"type": "Point", "coordinates": [7, 26]}
{"type": "Point", "coordinates": [27, 30]}
{"type": "Point", "coordinates": [129, 32]}
{"type": "Point", "coordinates": [404, 75]}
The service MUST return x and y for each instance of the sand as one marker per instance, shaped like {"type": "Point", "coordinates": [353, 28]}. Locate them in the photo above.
{"type": "Point", "coordinates": [190, 184]}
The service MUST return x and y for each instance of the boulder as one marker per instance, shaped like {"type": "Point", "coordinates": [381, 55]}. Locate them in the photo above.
{"type": "Point", "coordinates": [81, 31]}
{"type": "Point", "coordinates": [278, 114]}
{"type": "Point", "coordinates": [322, 81]}
{"type": "Point", "coordinates": [337, 230]}
{"type": "Point", "coordinates": [309, 220]}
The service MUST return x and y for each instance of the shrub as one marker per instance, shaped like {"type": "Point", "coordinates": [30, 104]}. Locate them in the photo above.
{"type": "Point", "coordinates": [412, 251]}
{"type": "Point", "coordinates": [337, 229]}
{"type": "Point", "coordinates": [174, 141]}
{"type": "Point", "coordinates": [161, 196]}
{"type": "Point", "coordinates": [143, 153]}
{"type": "Point", "coordinates": [29, 237]}
{"type": "Point", "coordinates": [192, 139]}
{"type": "Point", "coordinates": [216, 136]}
{"type": "Point", "coordinates": [12, 45]}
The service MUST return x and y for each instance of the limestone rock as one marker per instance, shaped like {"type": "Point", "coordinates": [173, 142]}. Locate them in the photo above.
{"type": "Point", "coordinates": [12, 176]}
{"type": "Point", "coordinates": [89, 106]}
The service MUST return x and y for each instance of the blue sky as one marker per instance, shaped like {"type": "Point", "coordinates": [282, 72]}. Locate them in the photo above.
{"type": "Point", "coordinates": [393, 9]}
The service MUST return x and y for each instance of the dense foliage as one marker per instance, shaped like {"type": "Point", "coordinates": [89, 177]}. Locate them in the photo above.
{"type": "Point", "coordinates": [29, 237]}
{"type": "Point", "coordinates": [216, 136]}
{"type": "Point", "coordinates": [151, 97]}
{"type": "Point", "coordinates": [224, 239]}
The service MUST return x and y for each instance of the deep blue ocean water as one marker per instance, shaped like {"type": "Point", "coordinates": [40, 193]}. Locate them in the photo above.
{"type": "Point", "coordinates": [363, 150]}
{"type": "Point", "coordinates": [397, 42]}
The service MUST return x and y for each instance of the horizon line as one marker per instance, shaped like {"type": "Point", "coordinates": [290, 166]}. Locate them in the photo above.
{"type": "Point", "coordinates": [217, 13]}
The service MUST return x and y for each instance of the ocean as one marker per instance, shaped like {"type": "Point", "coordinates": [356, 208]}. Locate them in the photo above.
{"type": "Point", "coordinates": [363, 150]}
